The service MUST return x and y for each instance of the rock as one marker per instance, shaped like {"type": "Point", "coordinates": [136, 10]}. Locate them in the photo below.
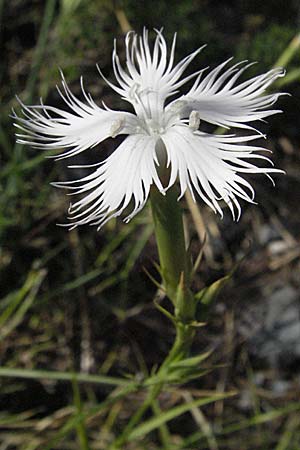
{"type": "Point", "coordinates": [275, 336]}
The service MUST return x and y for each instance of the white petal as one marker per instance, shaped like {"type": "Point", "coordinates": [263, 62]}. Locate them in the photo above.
{"type": "Point", "coordinates": [85, 126]}
{"type": "Point", "coordinates": [149, 77]}
{"type": "Point", "coordinates": [220, 101]}
{"type": "Point", "coordinates": [210, 165]}
{"type": "Point", "coordinates": [207, 164]}
{"type": "Point", "coordinates": [125, 176]}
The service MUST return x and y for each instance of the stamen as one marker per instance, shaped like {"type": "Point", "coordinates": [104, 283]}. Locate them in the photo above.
{"type": "Point", "coordinates": [116, 127]}
{"type": "Point", "coordinates": [133, 92]}
{"type": "Point", "coordinates": [194, 120]}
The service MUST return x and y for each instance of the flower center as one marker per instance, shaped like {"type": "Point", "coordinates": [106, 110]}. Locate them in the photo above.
{"type": "Point", "coordinates": [149, 107]}
{"type": "Point", "coordinates": [153, 127]}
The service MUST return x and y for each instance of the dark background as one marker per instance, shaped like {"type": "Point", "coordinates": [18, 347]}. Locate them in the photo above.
{"type": "Point", "coordinates": [81, 300]}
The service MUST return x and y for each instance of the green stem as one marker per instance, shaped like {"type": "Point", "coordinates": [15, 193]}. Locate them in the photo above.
{"type": "Point", "coordinates": [163, 429]}
{"type": "Point", "coordinates": [174, 260]}
{"type": "Point", "coordinates": [175, 271]}
{"type": "Point", "coordinates": [179, 350]}
{"type": "Point", "coordinates": [168, 224]}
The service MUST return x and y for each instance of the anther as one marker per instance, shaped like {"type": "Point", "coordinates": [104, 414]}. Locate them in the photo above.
{"type": "Point", "coordinates": [116, 127]}
{"type": "Point", "coordinates": [194, 120]}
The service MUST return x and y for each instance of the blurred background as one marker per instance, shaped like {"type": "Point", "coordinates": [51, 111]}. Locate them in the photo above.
{"type": "Point", "coordinates": [81, 301]}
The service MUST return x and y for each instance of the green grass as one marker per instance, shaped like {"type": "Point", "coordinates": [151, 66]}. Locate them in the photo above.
{"type": "Point", "coordinates": [80, 336]}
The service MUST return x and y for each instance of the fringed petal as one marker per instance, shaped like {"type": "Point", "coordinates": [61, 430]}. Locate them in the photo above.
{"type": "Point", "coordinates": [150, 77]}
{"type": "Point", "coordinates": [124, 178]}
{"type": "Point", "coordinates": [210, 165]}
{"type": "Point", "coordinates": [222, 102]}
{"type": "Point", "coordinates": [85, 126]}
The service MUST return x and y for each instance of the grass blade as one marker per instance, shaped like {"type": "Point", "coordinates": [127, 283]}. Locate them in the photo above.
{"type": "Point", "coordinates": [165, 417]}
{"type": "Point", "coordinates": [21, 302]}
{"type": "Point", "coordinates": [64, 376]}
{"type": "Point", "coordinates": [81, 428]}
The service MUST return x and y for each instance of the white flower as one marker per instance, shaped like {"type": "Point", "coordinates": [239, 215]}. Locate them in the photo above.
{"type": "Point", "coordinates": [159, 132]}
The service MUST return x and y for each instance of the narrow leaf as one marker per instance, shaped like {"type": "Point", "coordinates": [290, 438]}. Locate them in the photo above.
{"type": "Point", "coordinates": [63, 376]}
{"type": "Point", "coordinates": [164, 417]}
